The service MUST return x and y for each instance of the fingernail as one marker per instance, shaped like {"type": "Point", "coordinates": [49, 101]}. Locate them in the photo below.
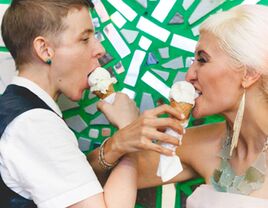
{"type": "Point", "coordinates": [184, 131]}
{"type": "Point", "coordinates": [182, 116]}
{"type": "Point", "coordinates": [173, 153]}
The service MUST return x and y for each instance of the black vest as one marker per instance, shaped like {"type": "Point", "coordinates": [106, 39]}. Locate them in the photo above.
{"type": "Point", "coordinates": [15, 101]}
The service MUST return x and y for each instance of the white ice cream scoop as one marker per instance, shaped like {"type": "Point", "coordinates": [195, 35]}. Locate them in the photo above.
{"type": "Point", "coordinates": [100, 80]}
{"type": "Point", "coordinates": [183, 91]}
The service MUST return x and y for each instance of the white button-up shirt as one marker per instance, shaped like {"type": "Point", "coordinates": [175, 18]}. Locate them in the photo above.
{"type": "Point", "coordinates": [40, 158]}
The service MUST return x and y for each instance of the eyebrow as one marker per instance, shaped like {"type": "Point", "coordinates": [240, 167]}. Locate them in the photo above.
{"type": "Point", "coordinates": [87, 31]}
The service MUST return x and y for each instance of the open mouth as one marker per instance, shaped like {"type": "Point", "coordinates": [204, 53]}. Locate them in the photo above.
{"type": "Point", "coordinates": [197, 93]}
{"type": "Point", "coordinates": [90, 73]}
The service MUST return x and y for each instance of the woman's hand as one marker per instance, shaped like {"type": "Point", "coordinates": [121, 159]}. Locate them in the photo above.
{"type": "Point", "coordinates": [141, 134]}
{"type": "Point", "coordinates": [122, 112]}
{"type": "Point", "coordinates": [136, 133]}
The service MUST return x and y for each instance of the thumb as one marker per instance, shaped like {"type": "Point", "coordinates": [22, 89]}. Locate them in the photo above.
{"type": "Point", "coordinates": [102, 106]}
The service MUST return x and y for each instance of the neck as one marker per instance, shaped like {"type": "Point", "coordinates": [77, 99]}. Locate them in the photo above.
{"type": "Point", "coordinates": [254, 129]}
{"type": "Point", "coordinates": [40, 75]}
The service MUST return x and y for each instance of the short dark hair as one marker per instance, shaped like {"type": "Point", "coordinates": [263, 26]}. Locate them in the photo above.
{"type": "Point", "coordinates": [24, 20]}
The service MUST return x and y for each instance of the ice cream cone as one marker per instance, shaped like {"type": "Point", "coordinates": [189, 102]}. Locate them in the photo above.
{"type": "Point", "coordinates": [185, 108]}
{"type": "Point", "coordinates": [101, 83]}
{"type": "Point", "coordinates": [109, 91]}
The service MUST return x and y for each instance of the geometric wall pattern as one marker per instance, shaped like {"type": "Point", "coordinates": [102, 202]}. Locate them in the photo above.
{"type": "Point", "coordinates": [149, 44]}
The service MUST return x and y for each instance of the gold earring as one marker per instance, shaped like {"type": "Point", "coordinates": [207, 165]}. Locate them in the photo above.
{"type": "Point", "coordinates": [238, 122]}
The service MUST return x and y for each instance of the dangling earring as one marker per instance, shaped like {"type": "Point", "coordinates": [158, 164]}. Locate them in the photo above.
{"type": "Point", "coordinates": [49, 62]}
{"type": "Point", "coordinates": [238, 122]}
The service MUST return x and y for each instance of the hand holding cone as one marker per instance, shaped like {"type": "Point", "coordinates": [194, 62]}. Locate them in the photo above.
{"type": "Point", "coordinates": [182, 97]}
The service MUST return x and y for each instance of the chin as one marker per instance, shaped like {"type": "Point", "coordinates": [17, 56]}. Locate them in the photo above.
{"type": "Point", "coordinates": [76, 97]}
{"type": "Point", "coordinates": [197, 113]}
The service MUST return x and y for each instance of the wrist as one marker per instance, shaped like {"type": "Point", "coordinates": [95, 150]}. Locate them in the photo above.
{"type": "Point", "coordinates": [123, 125]}
{"type": "Point", "coordinates": [109, 154]}
{"type": "Point", "coordinates": [103, 162]}
{"type": "Point", "coordinates": [114, 147]}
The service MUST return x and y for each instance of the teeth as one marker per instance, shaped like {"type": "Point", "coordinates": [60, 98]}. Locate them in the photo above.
{"type": "Point", "coordinates": [197, 93]}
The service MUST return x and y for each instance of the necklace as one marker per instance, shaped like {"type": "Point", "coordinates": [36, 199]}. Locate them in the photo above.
{"type": "Point", "coordinates": [224, 179]}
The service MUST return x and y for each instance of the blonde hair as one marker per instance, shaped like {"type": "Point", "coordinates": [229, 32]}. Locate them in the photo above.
{"type": "Point", "coordinates": [242, 33]}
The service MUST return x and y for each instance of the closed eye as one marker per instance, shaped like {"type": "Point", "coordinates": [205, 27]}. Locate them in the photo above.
{"type": "Point", "coordinates": [85, 39]}
{"type": "Point", "coordinates": [201, 60]}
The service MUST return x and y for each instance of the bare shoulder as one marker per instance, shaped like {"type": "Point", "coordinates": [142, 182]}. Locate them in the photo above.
{"type": "Point", "coordinates": [200, 145]}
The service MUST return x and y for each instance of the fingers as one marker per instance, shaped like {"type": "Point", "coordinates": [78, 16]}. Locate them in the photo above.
{"type": "Point", "coordinates": [164, 109]}
{"type": "Point", "coordinates": [124, 99]}
{"type": "Point", "coordinates": [158, 148]}
{"type": "Point", "coordinates": [119, 98]}
{"type": "Point", "coordinates": [101, 105]}
{"type": "Point", "coordinates": [163, 137]}
{"type": "Point", "coordinates": [163, 123]}
{"type": "Point", "coordinates": [123, 95]}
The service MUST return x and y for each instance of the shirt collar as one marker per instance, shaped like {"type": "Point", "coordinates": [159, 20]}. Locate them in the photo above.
{"type": "Point", "coordinates": [42, 94]}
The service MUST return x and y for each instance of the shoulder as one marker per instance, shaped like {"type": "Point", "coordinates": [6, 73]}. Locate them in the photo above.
{"type": "Point", "coordinates": [202, 135]}
{"type": "Point", "coordinates": [42, 140]}
{"type": "Point", "coordinates": [202, 144]}
{"type": "Point", "coordinates": [36, 120]}
{"type": "Point", "coordinates": [205, 132]}
{"type": "Point", "coordinates": [37, 129]}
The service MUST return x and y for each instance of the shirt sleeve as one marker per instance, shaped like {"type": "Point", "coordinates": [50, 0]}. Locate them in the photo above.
{"type": "Point", "coordinates": [42, 155]}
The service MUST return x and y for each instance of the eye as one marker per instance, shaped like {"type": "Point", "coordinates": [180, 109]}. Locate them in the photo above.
{"type": "Point", "coordinates": [202, 60]}
{"type": "Point", "coordinates": [85, 39]}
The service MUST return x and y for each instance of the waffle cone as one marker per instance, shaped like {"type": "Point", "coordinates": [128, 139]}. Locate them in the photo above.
{"type": "Point", "coordinates": [108, 92]}
{"type": "Point", "coordinates": [185, 108]}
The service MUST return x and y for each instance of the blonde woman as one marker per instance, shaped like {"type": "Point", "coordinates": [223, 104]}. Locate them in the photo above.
{"type": "Point", "coordinates": [230, 72]}
{"type": "Point", "coordinates": [54, 47]}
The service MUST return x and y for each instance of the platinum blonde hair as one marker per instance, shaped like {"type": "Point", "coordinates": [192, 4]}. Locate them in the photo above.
{"type": "Point", "coordinates": [243, 34]}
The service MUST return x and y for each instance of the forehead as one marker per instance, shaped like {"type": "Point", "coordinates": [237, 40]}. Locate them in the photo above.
{"type": "Point", "coordinates": [209, 43]}
{"type": "Point", "coordinates": [78, 20]}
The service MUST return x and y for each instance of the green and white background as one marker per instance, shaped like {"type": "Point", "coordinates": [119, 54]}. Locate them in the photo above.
{"type": "Point", "coordinates": [149, 45]}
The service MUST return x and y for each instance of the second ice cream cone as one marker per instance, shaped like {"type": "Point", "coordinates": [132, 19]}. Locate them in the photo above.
{"type": "Point", "coordinates": [185, 108]}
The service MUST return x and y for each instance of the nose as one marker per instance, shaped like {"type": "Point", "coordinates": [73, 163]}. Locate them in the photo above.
{"type": "Point", "coordinates": [191, 74]}
{"type": "Point", "coordinates": [99, 51]}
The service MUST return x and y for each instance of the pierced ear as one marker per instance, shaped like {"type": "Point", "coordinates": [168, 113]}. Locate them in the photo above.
{"type": "Point", "coordinates": [42, 49]}
{"type": "Point", "coordinates": [250, 77]}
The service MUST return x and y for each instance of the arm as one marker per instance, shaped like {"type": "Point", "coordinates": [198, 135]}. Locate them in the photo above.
{"type": "Point", "coordinates": [148, 162]}
{"type": "Point", "coordinates": [135, 135]}
{"type": "Point", "coordinates": [119, 191]}
{"type": "Point", "coordinates": [200, 145]}
{"type": "Point", "coordinates": [125, 109]}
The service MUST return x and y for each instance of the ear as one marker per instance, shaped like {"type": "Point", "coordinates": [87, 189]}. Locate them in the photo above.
{"type": "Point", "coordinates": [250, 77]}
{"type": "Point", "coordinates": [42, 49]}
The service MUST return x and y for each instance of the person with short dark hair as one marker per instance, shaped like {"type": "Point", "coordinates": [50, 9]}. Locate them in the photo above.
{"type": "Point", "coordinates": [54, 48]}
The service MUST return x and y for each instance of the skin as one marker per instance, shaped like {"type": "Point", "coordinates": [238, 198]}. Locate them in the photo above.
{"type": "Point", "coordinates": [135, 136]}
{"type": "Point", "coordinates": [211, 70]}
{"type": "Point", "coordinates": [221, 83]}
{"type": "Point", "coordinates": [74, 55]}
